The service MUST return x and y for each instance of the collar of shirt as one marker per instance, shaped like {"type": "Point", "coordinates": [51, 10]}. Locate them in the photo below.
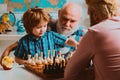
{"type": "Point", "coordinates": [32, 37]}
{"type": "Point", "coordinates": [115, 18]}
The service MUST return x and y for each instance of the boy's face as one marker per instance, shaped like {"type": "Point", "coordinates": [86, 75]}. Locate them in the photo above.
{"type": "Point", "coordinates": [40, 29]}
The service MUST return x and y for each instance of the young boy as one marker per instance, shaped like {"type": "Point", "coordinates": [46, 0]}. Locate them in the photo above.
{"type": "Point", "coordinates": [38, 40]}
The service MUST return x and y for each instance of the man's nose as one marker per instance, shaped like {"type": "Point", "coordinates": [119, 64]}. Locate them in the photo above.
{"type": "Point", "coordinates": [67, 23]}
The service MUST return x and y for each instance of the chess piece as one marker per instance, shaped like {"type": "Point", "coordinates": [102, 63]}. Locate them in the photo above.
{"type": "Point", "coordinates": [36, 58]}
{"type": "Point", "coordinates": [63, 64]}
{"type": "Point", "coordinates": [69, 56]}
{"type": "Point", "coordinates": [48, 59]}
{"type": "Point", "coordinates": [46, 64]}
{"type": "Point", "coordinates": [57, 64]}
{"type": "Point", "coordinates": [33, 61]}
{"type": "Point", "coordinates": [53, 53]}
{"type": "Point", "coordinates": [50, 65]}
{"type": "Point", "coordinates": [29, 59]}
{"type": "Point", "coordinates": [40, 60]}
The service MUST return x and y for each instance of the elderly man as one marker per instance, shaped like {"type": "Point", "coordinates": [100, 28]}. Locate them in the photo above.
{"type": "Point", "coordinates": [101, 44]}
{"type": "Point", "coordinates": [67, 24]}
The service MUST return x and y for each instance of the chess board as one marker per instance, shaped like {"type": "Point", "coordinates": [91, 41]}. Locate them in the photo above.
{"type": "Point", "coordinates": [47, 67]}
{"type": "Point", "coordinates": [46, 74]}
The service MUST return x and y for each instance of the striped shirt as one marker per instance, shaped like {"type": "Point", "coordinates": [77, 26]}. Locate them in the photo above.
{"type": "Point", "coordinates": [30, 45]}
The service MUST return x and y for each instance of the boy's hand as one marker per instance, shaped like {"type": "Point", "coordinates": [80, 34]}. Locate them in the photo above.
{"type": "Point", "coordinates": [71, 42]}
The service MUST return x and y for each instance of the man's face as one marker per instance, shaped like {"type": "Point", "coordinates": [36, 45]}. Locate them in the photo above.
{"type": "Point", "coordinates": [68, 21]}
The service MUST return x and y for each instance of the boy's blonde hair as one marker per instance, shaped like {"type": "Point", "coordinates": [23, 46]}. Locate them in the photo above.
{"type": "Point", "coordinates": [32, 17]}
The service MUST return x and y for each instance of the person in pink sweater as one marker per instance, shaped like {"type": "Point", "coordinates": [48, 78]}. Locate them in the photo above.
{"type": "Point", "coordinates": [101, 44]}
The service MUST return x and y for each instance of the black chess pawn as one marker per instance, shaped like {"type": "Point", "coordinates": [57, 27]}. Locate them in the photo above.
{"type": "Point", "coordinates": [62, 64]}
{"type": "Point", "coordinates": [46, 69]}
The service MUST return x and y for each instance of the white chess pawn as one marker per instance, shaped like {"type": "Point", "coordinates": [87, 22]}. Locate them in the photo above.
{"type": "Point", "coordinates": [57, 60]}
{"type": "Point", "coordinates": [45, 61]}
{"type": "Point", "coordinates": [36, 58]}
{"type": "Point", "coordinates": [33, 62]}
{"type": "Point", "coordinates": [71, 54]}
{"type": "Point", "coordinates": [48, 52]}
{"type": "Point", "coordinates": [29, 59]}
{"type": "Point", "coordinates": [59, 54]}
{"type": "Point", "coordinates": [40, 60]}
{"type": "Point", "coordinates": [48, 59]}
{"type": "Point", "coordinates": [41, 54]}
{"type": "Point", "coordinates": [51, 60]}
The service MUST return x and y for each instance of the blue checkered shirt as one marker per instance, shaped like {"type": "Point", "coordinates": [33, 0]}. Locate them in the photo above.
{"type": "Point", "coordinates": [29, 45]}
